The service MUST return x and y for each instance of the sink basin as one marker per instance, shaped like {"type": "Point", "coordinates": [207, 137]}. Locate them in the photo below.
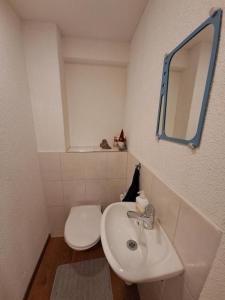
{"type": "Point", "coordinates": [151, 257]}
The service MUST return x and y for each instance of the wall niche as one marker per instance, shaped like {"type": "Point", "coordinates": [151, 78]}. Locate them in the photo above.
{"type": "Point", "coordinates": [95, 91]}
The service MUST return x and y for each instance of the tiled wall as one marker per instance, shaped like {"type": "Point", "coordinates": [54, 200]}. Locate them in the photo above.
{"type": "Point", "coordinates": [71, 179]}
{"type": "Point", "coordinates": [100, 177]}
{"type": "Point", "coordinates": [195, 238]}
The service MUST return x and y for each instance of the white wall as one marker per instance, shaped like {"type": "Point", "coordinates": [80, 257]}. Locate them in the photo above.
{"type": "Point", "coordinates": [23, 221]}
{"type": "Point", "coordinates": [63, 91]}
{"type": "Point", "coordinates": [93, 50]}
{"type": "Point", "coordinates": [197, 176]}
{"type": "Point", "coordinates": [43, 66]}
{"type": "Point", "coordinates": [95, 98]}
{"type": "Point", "coordinates": [45, 52]}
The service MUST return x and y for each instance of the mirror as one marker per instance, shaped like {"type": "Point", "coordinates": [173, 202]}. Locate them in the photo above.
{"type": "Point", "coordinates": [160, 125]}
{"type": "Point", "coordinates": [187, 76]}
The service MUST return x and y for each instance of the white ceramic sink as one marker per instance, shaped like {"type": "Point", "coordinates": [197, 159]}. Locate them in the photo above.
{"type": "Point", "coordinates": [154, 259]}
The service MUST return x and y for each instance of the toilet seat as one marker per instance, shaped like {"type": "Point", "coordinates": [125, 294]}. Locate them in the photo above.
{"type": "Point", "coordinates": [82, 228]}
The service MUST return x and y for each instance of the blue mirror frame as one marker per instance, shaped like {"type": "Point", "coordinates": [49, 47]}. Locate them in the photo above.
{"type": "Point", "coordinates": [215, 19]}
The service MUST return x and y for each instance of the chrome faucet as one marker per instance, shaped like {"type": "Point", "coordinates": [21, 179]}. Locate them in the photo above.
{"type": "Point", "coordinates": [147, 218]}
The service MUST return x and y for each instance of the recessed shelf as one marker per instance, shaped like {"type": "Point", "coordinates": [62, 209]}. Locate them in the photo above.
{"type": "Point", "coordinates": [85, 149]}
{"type": "Point", "coordinates": [94, 106]}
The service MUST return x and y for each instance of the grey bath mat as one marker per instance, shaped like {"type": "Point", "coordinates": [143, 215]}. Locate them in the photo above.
{"type": "Point", "coordinates": [85, 280]}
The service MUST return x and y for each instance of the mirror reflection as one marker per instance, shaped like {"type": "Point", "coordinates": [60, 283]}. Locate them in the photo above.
{"type": "Point", "coordinates": [187, 79]}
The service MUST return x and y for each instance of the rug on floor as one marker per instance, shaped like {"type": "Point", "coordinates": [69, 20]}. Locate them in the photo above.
{"type": "Point", "coordinates": [85, 280]}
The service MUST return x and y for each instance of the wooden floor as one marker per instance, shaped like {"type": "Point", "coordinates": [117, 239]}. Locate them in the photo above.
{"type": "Point", "coordinates": [57, 253]}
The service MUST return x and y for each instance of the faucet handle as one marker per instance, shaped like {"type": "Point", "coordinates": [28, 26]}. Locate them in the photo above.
{"type": "Point", "coordinates": [149, 210]}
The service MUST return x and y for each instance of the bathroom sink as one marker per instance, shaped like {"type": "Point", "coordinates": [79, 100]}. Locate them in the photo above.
{"type": "Point", "coordinates": [134, 253]}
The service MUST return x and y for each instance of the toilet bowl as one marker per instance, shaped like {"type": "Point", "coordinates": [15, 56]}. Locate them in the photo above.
{"type": "Point", "coordinates": [82, 228]}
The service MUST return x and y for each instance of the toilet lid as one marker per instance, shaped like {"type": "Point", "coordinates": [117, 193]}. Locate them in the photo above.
{"type": "Point", "coordinates": [83, 226]}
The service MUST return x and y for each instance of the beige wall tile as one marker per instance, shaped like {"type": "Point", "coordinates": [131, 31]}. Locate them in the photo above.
{"type": "Point", "coordinates": [73, 166]}
{"type": "Point", "coordinates": [114, 188]}
{"type": "Point", "coordinates": [131, 163]}
{"type": "Point", "coordinates": [57, 219]}
{"type": "Point", "coordinates": [173, 288]}
{"type": "Point", "coordinates": [151, 290]}
{"type": "Point", "coordinates": [146, 182]}
{"type": "Point", "coordinates": [116, 165]}
{"type": "Point", "coordinates": [96, 191]}
{"type": "Point", "coordinates": [53, 191]}
{"type": "Point", "coordinates": [50, 165]}
{"type": "Point", "coordinates": [167, 205]}
{"type": "Point", "coordinates": [95, 165]}
{"type": "Point", "coordinates": [186, 295]}
{"type": "Point", "coordinates": [196, 241]}
{"type": "Point", "coordinates": [74, 193]}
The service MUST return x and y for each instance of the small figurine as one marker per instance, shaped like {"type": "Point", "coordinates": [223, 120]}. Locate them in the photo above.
{"type": "Point", "coordinates": [122, 138]}
{"type": "Point", "coordinates": [115, 141]}
{"type": "Point", "coordinates": [104, 144]}
{"type": "Point", "coordinates": [122, 142]}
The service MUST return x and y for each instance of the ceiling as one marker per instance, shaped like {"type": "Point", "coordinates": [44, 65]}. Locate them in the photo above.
{"type": "Point", "coordinates": [114, 20]}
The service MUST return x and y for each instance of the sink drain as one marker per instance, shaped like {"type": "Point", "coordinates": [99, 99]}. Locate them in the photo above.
{"type": "Point", "coordinates": [132, 245]}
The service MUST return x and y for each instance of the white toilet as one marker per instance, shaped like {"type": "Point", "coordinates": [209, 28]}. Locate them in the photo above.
{"type": "Point", "coordinates": [82, 228]}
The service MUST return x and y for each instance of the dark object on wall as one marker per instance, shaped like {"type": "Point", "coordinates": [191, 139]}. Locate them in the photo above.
{"type": "Point", "coordinates": [104, 144]}
{"type": "Point", "coordinates": [132, 193]}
